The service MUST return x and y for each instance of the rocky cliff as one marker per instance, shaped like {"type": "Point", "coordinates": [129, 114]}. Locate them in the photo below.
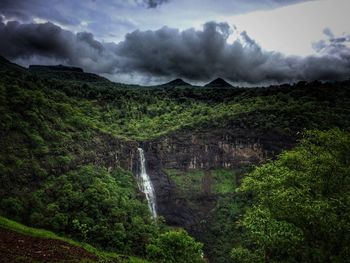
{"type": "Point", "coordinates": [203, 150]}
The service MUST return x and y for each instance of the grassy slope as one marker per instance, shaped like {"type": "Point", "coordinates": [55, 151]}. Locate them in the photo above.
{"type": "Point", "coordinates": [41, 233]}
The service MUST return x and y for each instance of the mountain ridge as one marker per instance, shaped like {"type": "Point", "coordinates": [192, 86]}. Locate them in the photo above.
{"type": "Point", "coordinates": [55, 68]}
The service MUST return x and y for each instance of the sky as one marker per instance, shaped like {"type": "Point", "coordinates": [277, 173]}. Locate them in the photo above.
{"type": "Point", "coordinates": [153, 41]}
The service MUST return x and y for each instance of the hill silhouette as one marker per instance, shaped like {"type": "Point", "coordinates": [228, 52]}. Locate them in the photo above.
{"type": "Point", "coordinates": [62, 72]}
{"type": "Point", "coordinates": [219, 82]}
{"type": "Point", "coordinates": [175, 83]}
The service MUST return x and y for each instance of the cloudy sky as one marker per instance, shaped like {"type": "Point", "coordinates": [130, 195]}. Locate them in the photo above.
{"type": "Point", "coordinates": [152, 41]}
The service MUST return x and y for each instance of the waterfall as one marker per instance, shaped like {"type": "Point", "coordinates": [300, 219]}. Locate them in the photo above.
{"type": "Point", "coordinates": [145, 184]}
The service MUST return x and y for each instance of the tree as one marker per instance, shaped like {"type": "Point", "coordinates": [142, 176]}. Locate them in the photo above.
{"type": "Point", "coordinates": [175, 246]}
{"type": "Point", "coordinates": [95, 206]}
{"type": "Point", "coordinates": [301, 210]}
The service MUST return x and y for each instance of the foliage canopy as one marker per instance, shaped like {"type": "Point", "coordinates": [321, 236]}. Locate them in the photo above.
{"type": "Point", "coordinates": [301, 207]}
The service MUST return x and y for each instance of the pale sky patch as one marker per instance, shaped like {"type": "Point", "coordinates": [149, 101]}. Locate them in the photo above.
{"type": "Point", "coordinates": [292, 29]}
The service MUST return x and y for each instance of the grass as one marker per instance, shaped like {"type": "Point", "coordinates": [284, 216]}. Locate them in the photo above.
{"type": "Point", "coordinates": [190, 183]}
{"type": "Point", "coordinates": [224, 181]}
{"type": "Point", "coordinates": [41, 233]}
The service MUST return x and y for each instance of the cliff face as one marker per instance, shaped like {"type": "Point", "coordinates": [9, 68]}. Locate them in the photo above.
{"type": "Point", "coordinates": [205, 150]}
{"type": "Point", "coordinates": [102, 150]}
{"type": "Point", "coordinates": [110, 152]}
{"type": "Point", "coordinates": [202, 150]}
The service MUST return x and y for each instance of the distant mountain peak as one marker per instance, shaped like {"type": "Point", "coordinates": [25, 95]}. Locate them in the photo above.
{"type": "Point", "coordinates": [219, 82]}
{"type": "Point", "coordinates": [176, 82]}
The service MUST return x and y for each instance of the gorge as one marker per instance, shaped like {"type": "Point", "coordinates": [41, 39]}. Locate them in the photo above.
{"type": "Point", "coordinates": [124, 168]}
{"type": "Point", "coordinates": [204, 151]}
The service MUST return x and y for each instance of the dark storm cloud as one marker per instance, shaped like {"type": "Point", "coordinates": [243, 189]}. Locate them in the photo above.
{"type": "Point", "coordinates": [49, 42]}
{"type": "Point", "coordinates": [154, 3]}
{"type": "Point", "coordinates": [198, 55]}
{"type": "Point", "coordinates": [60, 10]}
{"type": "Point", "coordinates": [26, 10]}
{"type": "Point", "coordinates": [203, 55]}
{"type": "Point", "coordinates": [112, 19]}
{"type": "Point", "coordinates": [72, 12]}
{"type": "Point", "coordinates": [232, 6]}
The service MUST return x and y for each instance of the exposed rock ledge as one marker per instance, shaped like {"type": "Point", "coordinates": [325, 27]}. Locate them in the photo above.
{"type": "Point", "coordinates": [207, 149]}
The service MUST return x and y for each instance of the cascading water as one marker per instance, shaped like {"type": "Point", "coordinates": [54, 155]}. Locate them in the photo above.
{"type": "Point", "coordinates": [145, 184]}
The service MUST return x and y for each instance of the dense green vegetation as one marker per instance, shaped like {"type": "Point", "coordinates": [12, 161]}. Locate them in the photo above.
{"type": "Point", "coordinates": [45, 141]}
{"type": "Point", "coordinates": [55, 128]}
{"type": "Point", "coordinates": [141, 113]}
{"type": "Point", "coordinates": [158, 111]}
{"type": "Point", "coordinates": [175, 247]}
{"type": "Point", "coordinates": [219, 231]}
{"type": "Point", "coordinates": [50, 177]}
{"type": "Point", "coordinates": [95, 206]}
{"type": "Point", "coordinates": [301, 205]}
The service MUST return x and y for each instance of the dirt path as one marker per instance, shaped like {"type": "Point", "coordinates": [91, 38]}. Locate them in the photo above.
{"type": "Point", "coordinates": [15, 247]}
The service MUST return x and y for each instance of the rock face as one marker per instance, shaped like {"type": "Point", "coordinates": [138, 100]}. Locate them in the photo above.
{"type": "Point", "coordinates": [110, 152]}
{"type": "Point", "coordinates": [106, 151]}
{"type": "Point", "coordinates": [203, 150]}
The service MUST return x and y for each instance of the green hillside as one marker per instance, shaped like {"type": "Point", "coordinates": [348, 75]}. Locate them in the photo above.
{"type": "Point", "coordinates": [21, 231]}
{"type": "Point", "coordinates": [55, 132]}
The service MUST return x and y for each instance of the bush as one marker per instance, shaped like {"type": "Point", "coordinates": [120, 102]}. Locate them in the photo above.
{"type": "Point", "coordinates": [175, 246]}
{"type": "Point", "coordinates": [12, 206]}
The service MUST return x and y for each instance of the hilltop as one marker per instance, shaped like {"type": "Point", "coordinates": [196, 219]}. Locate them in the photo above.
{"type": "Point", "coordinates": [66, 73]}
{"type": "Point", "coordinates": [219, 82]}
{"type": "Point", "coordinates": [176, 83]}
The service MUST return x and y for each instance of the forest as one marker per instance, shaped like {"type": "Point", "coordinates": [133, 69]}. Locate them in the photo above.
{"type": "Point", "coordinates": [59, 131]}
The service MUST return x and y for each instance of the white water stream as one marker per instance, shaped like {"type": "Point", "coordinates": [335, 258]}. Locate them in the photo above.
{"type": "Point", "coordinates": [146, 186]}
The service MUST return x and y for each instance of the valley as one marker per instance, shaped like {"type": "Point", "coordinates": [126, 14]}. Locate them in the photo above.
{"type": "Point", "coordinates": [122, 167]}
